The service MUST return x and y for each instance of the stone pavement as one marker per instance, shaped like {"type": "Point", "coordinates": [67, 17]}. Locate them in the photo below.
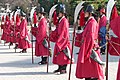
{"type": "Point", "coordinates": [18, 66]}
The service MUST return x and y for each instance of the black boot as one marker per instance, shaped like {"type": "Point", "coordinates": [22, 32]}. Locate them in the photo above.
{"type": "Point", "coordinates": [63, 69]}
{"type": "Point", "coordinates": [44, 60]}
{"type": "Point", "coordinates": [10, 44]}
{"type": "Point", "coordinates": [16, 46]}
{"type": "Point", "coordinates": [103, 51]}
{"type": "Point", "coordinates": [23, 51]}
{"type": "Point", "coordinates": [58, 70]}
{"type": "Point", "coordinates": [96, 58]}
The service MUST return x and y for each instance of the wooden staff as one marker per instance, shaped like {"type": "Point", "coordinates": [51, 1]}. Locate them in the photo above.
{"type": "Point", "coordinates": [31, 17]}
{"type": "Point", "coordinates": [110, 6]}
{"type": "Point", "coordinates": [73, 40]}
{"type": "Point", "coordinates": [32, 47]}
{"type": "Point", "coordinates": [77, 10]}
{"type": "Point", "coordinates": [49, 29]}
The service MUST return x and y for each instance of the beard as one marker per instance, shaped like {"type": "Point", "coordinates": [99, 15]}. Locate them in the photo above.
{"type": "Point", "coordinates": [59, 19]}
{"type": "Point", "coordinates": [39, 18]}
{"type": "Point", "coordinates": [86, 19]}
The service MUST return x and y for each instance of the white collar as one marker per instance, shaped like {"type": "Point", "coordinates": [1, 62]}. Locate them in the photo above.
{"type": "Point", "coordinates": [41, 17]}
{"type": "Point", "coordinates": [102, 15]}
{"type": "Point", "coordinates": [89, 19]}
{"type": "Point", "coordinates": [61, 19]}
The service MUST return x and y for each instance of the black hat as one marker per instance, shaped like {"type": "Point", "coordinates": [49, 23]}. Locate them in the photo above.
{"type": "Point", "coordinates": [40, 10]}
{"type": "Point", "coordinates": [60, 8]}
{"type": "Point", "coordinates": [90, 9]}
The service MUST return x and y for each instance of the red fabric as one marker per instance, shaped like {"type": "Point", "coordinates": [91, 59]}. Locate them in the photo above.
{"type": "Point", "coordinates": [61, 39]}
{"type": "Point", "coordinates": [53, 36]}
{"type": "Point", "coordinates": [34, 31]}
{"type": "Point", "coordinates": [3, 18]}
{"type": "Point", "coordinates": [17, 19]}
{"type": "Point", "coordinates": [7, 31]}
{"type": "Point", "coordinates": [2, 25]}
{"type": "Point", "coordinates": [78, 39]}
{"type": "Point", "coordinates": [35, 18]}
{"type": "Point", "coordinates": [12, 30]}
{"type": "Point", "coordinates": [7, 18]}
{"type": "Point", "coordinates": [17, 29]}
{"type": "Point", "coordinates": [55, 20]}
{"type": "Point", "coordinates": [23, 44]}
{"type": "Point", "coordinates": [102, 22]}
{"type": "Point", "coordinates": [40, 50]}
{"type": "Point", "coordinates": [114, 13]}
{"type": "Point", "coordinates": [13, 17]}
{"type": "Point", "coordinates": [114, 25]}
{"type": "Point", "coordinates": [113, 48]}
{"type": "Point", "coordinates": [87, 67]}
{"type": "Point", "coordinates": [118, 73]}
{"type": "Point", "coordinates": [82, 18]}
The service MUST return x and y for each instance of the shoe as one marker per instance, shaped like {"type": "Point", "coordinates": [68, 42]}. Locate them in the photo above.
{"type": "Point", "coordinates": [16, 46]}
{"type": "Point", "coordinates": [10, 44]}
{"type": "Point", "coordinates": [23, 51]}
{"type": "Point", "coordinates": [42, 62]}
{"type": "Point", "coordinates": [63, 71]}
{"type": "Point", "coordinates": [103, 53]}
{"type": "Point", "coordinates": [56, 71]}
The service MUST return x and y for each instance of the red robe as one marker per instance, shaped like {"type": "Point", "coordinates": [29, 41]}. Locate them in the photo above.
{"type": "Point", "coordinates": [114, 48]}
{"type": "Point", "coordinates": [12, 31]}
{"type": "Point", "coordinates": [87, 67]}
{"type": "Point", "coordinates": [17, 28]}
{"type": "Point", "coordinates": [24, 44]}
{"type": "Point", "coordinates": [103, 21]}
{"type": "Point", "coordinates": [82, 18]}
{"type": "Point", "coordinates": [40, 33]}
{"type": "Point", "coordinates": [78, 39]}
{"type": "Point", "coordinates": [114, 25]}
{"type": "Point", "coordinates": [102, 33]}
{"type": "Point", "coordinates": [7, 29]}
{"type": "Point", "coordinates": [61, 38]}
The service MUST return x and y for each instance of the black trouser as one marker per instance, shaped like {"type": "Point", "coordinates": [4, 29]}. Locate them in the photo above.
{"type": "Point", "coordinates": [44, 59]}
{"type": "Point", "coordinates": [62, 67]}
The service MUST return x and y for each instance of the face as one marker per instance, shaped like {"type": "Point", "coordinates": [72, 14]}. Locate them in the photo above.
{"type": "Point", "coordinates": [39, 15]}
{"type": "Point", "coordinates": [86, 14]}
{"type": "Point", "coordinates": [101, 13]}
{"type": "Point", "coordinates": [60, 15]}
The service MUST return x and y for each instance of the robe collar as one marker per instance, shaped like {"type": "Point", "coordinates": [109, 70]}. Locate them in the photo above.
{"type": "Point", "coordinates": [41, 18]}
{"type": "Point", "coordinates": [102, 15]}
{"type": "Point", "coordinates": [89, 19]}
{"type": "Point", "coordinates": [61, 19]}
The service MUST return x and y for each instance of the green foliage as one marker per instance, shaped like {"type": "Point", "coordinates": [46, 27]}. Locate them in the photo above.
{"type": "Point", "coordinates": [118, 6]}
{"type": "Point", "coordinates": [71, 4]}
